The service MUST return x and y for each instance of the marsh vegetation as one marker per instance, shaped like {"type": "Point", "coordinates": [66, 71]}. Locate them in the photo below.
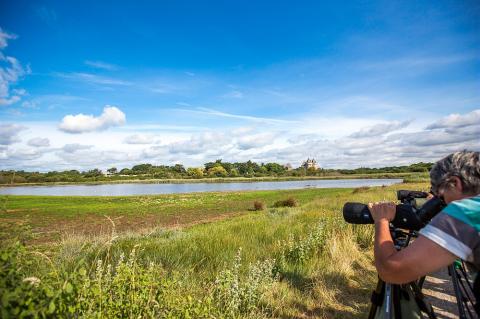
{"type": "Point", "coordinates": [209, 255]}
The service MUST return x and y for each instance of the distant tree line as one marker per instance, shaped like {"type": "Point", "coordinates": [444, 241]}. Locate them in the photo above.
{"type": "Point", "coordinates": [217, 169]}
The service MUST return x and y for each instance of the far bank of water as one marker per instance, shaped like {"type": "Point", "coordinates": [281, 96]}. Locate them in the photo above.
{"type": "Point", "coordinates": [151, 189]}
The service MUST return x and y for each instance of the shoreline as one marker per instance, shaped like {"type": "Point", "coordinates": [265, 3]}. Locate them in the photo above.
{"type": "Point", "coordinates": [404, 176]}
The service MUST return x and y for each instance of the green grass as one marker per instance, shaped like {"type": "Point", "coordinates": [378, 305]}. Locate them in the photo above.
{"type": "Point", "coordinates": [322, 267]}
{"type": "Point", "coordinates": [130, 213]}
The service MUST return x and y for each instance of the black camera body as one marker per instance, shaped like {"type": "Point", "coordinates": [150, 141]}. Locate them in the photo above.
{"type": "Point", "coordinates": [414, 212]}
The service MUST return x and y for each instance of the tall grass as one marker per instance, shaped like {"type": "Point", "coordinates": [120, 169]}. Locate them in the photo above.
{"type": "Point", "coordinates": [282, 262]}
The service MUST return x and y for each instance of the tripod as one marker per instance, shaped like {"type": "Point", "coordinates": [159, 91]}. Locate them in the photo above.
{"type": "Point", "coordinates": [391, 301]}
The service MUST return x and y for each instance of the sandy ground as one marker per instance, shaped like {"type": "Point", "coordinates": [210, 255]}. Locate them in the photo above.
{"type": "Point", "coordinates": [439, 291]}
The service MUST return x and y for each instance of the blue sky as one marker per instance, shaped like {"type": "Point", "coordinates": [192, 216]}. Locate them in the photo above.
{"type": "Point", "coordinates": [367, 83]}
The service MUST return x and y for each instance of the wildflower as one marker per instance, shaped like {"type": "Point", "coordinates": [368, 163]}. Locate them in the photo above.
{"type": "Point", "coordinates": [34, 281]}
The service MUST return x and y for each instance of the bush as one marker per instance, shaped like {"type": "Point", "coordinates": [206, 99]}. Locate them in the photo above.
{"type": "Point", "coordinates": [236, 295]}
{"type": "Point", "coordinates": [289, 202]}
{"type": "Point", "coordinates": [258, 205]}
{"type": "Point", "coordinates": [298, 250]}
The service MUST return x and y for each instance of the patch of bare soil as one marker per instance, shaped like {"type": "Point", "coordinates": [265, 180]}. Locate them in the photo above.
{"type": "Point", "coordinates": [92, 225]}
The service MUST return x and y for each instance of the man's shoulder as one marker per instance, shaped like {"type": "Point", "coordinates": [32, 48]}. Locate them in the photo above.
{"type": "Point", "coordinates": [466, 210]}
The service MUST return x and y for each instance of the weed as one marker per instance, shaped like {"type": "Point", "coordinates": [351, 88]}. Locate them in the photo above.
{"type": "Point", "coordinates": [237, 296]}
{"type": "Point", "coordinates": [289, 202]}
{"type": "Point", "coordinates": [298, 250]}
{"type": "Point", "coordinates": [258, 205]}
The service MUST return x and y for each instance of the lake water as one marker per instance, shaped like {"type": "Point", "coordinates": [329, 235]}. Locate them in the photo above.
{"type": "Point", "coordinates": [149, 189]}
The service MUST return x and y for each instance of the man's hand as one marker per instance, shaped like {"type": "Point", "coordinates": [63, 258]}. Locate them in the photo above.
{"type": "Point", "coordinates": [382, 211]}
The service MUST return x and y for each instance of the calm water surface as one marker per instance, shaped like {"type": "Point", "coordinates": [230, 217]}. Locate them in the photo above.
{"type": "Point", "coordinates": [147, 189]}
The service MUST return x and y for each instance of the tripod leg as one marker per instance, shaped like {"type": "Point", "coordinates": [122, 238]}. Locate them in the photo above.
{"type": "Point", "coordinates": [377, 298]}
{"type": "Point", "coordinates": [397, 306]}
{"type": "Point", "coordinates": [458, 293]}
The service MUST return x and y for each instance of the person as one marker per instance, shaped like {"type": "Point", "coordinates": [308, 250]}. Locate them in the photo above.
{"type": "Point", "coordinates": [453, 233]}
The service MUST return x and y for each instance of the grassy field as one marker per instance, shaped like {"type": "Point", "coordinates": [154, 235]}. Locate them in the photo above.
{"type": "Point", "coordinates": [203, 255]}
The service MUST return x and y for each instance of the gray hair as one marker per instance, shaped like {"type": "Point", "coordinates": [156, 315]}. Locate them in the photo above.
{"type": "Point", "coordinates": [464, 165]}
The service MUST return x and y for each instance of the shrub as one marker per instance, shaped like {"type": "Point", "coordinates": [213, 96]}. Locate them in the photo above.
{"type": "Point", "coordinates": [298, 250]}
{"type": "Point", "coordinates": [258, 205]}
{"type": "Point", "coordinates": [238, 295]}
{"type": "Point", "coordinates": [289, 202]}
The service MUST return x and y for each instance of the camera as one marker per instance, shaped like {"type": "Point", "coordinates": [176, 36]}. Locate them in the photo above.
{"type": "Point", "coordinates": [414, 212]}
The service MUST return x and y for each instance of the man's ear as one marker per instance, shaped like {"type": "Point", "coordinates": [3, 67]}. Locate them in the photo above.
{"type": "Point", "coordinates": [456, 182]}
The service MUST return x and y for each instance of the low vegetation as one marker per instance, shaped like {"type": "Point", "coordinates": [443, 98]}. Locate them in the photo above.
{"type": "Point", "coordinates": [284, 262]}
{"type": "Point", "coordinates": [289, 202]}
{"type": "Point", "coordinates": [258, 205]}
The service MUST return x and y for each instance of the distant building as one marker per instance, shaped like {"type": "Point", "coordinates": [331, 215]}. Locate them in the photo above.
{"type": "Point", "coordinates": [288, 166]}
{"type": "Point", "coordinates": [310, 163]}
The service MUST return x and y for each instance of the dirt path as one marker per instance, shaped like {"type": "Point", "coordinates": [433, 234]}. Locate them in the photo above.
{"type": "Point", "coordinates": [439, 291]}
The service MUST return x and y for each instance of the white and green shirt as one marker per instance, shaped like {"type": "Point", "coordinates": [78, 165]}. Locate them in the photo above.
{"type": "Point", "coordinates": [457, 229]}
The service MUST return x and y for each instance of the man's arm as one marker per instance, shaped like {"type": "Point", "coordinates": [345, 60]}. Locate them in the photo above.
{"type": "Point", "coordinates": [421, 257]}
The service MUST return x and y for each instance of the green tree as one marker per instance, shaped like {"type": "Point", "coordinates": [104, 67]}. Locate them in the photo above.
{"type": "Point", "coordinates": [93, 173]}
{"type": "Point", "coordinates": [195, 172]}
{"type": "Point", "coordinates": [112, 170]}
{"type": "Point", "coordinates": [217, 171]}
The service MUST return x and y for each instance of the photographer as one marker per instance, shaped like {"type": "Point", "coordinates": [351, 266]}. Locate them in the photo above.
{"type": "Point", "coordinates": [453, 233]}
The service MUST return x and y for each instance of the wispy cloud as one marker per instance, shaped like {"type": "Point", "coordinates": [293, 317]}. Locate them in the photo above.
{"type": "Point", "coordinates": [457, 121]}
{"type": "Point", "coordinates": [4, 37]}
{"type": "Point", "coordinates": [161, 127]}
{"type": "Point", "coordinates": [93, 78]}
{"type": "Point", "coordinates": [11, 71]}
{"type": "Point", "coordinates": [101, 65]}
{"type": "Point", "coordinates": [212, 112]}
{"type": "Point", "coordinates": [420, 61]}
{"type": "Point", "coordinates": [234, 95]}
{"type": "Point", "coordinates": [380, 129]}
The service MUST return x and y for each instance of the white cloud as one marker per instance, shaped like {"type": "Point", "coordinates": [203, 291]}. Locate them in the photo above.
{"type": "Point", "coordinates": [72, 148]}
{"type": "Point", "coordinates": [9, 133]}
{"type": "Point", "coordinates": [4, 37]}
{"type": "Point", "coordinates": [80, 123]}
{"type": "Point", "coordinates": [39, 142]}
{"type": "Point", "coordinates": [261, 143]}
{"type": "Point", "coordinates": [380, 129]}
{"type": "Point", "coordinates": [155, 152]}
{"type": "Point", "coordinates": [30, 104]}
{"type": "Point", "coordinates": [204, 143]}
{"type": "Point", "coordinates": [101, 65]}
{"type": "Point", "coordinates": [255, 141]}
{"type": "Point", "coordinates": [139, 139]}
{"type": "Point", "coordinates": [457, 121]}
{"type": "Point", "coordinates": [11, 71]}
{"type": "Point", "coordinates": [24, 154]}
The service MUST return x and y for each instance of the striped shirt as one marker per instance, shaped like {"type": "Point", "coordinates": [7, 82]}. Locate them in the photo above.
{"type": "Point", "coordinates": [457, 229]}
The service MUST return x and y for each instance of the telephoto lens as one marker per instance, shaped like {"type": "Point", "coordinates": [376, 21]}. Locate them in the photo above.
{"type": "Point", "coordinates": [405, 215]}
